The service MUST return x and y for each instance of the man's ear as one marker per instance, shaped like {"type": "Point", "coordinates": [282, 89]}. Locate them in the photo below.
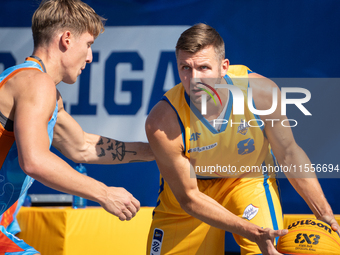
{"type": "Point", "coordinates": [224, 67]}
{"type": "Point", "coordinates": [65, 39]}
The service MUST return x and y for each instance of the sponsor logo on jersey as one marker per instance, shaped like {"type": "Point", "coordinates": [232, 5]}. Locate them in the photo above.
{"type": "Point", "coordinates": [204, 148]}
{"type": "Point", "coordinates": [195, 136]}
{"type": "Point", "coordinates": [243, 127]}
{"type": "Point", "coordinates": [250, 212]}
{"type": "Point", "coordinates": [157, 240]}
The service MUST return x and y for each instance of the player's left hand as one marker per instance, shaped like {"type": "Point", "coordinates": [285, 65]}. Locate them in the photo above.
{"type": "Point", "coordinates": [331, 221]}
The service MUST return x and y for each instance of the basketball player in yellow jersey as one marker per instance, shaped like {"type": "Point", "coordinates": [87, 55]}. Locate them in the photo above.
{"type": "Point", "coordinates": [195, 208]}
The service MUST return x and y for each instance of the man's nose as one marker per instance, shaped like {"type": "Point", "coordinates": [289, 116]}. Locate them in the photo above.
{"type": "Point", "coordinates": [89, 56]}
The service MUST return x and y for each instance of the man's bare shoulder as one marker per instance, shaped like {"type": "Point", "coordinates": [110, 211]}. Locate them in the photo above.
{"type": "Point", "coordinates": [259, 82]}
{"type": "Point", "coordinates": [163, 120]}
{"type": "Point", "coordinates": [30, 80]}
{"type": "Point", "coordinates": [262, 89]}
{"type": "Point", "coordinates": [25, 86]}
{"type": "Point", "coordinates": [33, 91]}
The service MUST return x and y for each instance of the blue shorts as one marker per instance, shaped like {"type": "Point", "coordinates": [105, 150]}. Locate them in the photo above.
{"type": "Point", "coordinates": [11, 245]}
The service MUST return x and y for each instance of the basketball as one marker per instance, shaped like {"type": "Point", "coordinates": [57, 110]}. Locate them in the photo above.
{"type": "Point", "coordinates": [309, 236]}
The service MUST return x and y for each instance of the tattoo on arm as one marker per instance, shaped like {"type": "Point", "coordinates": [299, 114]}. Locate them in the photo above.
{"type": "Point", "coordinates": [102, 152]}
{"type": "Point", "coordinates": [118, 149]}
{"type": "Point", "coordinates": [110, 148]}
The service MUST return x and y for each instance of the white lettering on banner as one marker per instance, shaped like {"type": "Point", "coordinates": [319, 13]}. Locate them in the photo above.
{"type": "Point", "coordinates": [132, 68]}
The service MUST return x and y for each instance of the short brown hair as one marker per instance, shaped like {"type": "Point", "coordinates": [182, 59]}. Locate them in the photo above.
{"type": "Point", "coordinates": [75, 15]}
{"type": "Point", "coordinates": [200, 36]}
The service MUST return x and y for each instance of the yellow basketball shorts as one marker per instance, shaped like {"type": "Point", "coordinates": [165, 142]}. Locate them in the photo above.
{"type": "Point", "coordinates": [173, 231]}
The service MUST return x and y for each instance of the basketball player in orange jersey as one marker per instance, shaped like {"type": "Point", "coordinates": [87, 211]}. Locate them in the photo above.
{"type": "Point", "coordinates": [195, 207]}
{"type": "Point", "coordinates": [33, 118]}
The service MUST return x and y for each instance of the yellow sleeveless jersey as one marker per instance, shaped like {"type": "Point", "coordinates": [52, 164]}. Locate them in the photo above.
{"type": "Point", "coordinates": [239, 149]}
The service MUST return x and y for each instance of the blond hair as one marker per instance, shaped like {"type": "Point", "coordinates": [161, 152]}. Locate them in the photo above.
{"type": "Point", "coordinates": [200, 36]}
{"type": "Point", "coordinates": [55, 15]}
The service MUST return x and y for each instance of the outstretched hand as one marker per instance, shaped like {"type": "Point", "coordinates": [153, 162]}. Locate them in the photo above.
{"type": "Point", "coordinates": [121, 203]}
{"type": "Point", "coordinates": [265, 240]}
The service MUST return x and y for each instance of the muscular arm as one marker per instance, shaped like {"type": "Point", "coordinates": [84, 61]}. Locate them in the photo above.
{"type": "Point", "coordinates": [79, 146]}
{"type": "Point", "coordinates": [35, 100]}
{"type": "Point", "coordinates": [164, 134]}
{"type": "Point", "coordinates": [288, 153]}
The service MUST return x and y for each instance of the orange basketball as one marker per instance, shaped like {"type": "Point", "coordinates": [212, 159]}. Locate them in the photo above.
{"type": "Point", "coordinates": [309, 236]}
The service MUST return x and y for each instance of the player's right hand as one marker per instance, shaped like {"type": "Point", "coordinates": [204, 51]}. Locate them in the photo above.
{"type": "Point", "coordinates": [121, 203]}
{"type": "Point", "coordinates": [265, 240]}
{"type": "Point", "coordinates": [329, 219]}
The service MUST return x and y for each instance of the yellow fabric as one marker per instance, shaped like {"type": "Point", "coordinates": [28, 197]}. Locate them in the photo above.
{"type": "Point", "coordinates": [237, 149]}
{"type": "Point", "coordinates": [184, 234]}
{"type": "Point", "coordinates": [67, 231]}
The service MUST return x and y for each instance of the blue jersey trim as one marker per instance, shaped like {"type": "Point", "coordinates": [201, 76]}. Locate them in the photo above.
{"type": "Point", "coordinates": [161, 188]}
{"type": "Point", "coordinates": [264, 134]}
{"type": "Point", "coordinates": [26, 64]}
{"type": "Point", "coordinates": [28, 250]}
{"type": "Point", "coordinates": [187, 98]}
{"type": "Point", "coordinates": [228, 79]}
{"type": "Point", "coordinates": [269, 197]}
{"type": "Point", "coordinates": [274, 158]}
{"type": "Point", "coordinates": [204, 121]}
{"type": "Point", "coordinates": [228, 112]}
{"type": "Point", "coordinates": [258, 119]}
{"type": "Point", "coordinates": [270, 204]}
{"type": "Point", "coordinates": [201, 177]}
{"type": "Point", "coordinates": [199, 115]}
{"type": "Point", "coordinates": [179, 120]}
